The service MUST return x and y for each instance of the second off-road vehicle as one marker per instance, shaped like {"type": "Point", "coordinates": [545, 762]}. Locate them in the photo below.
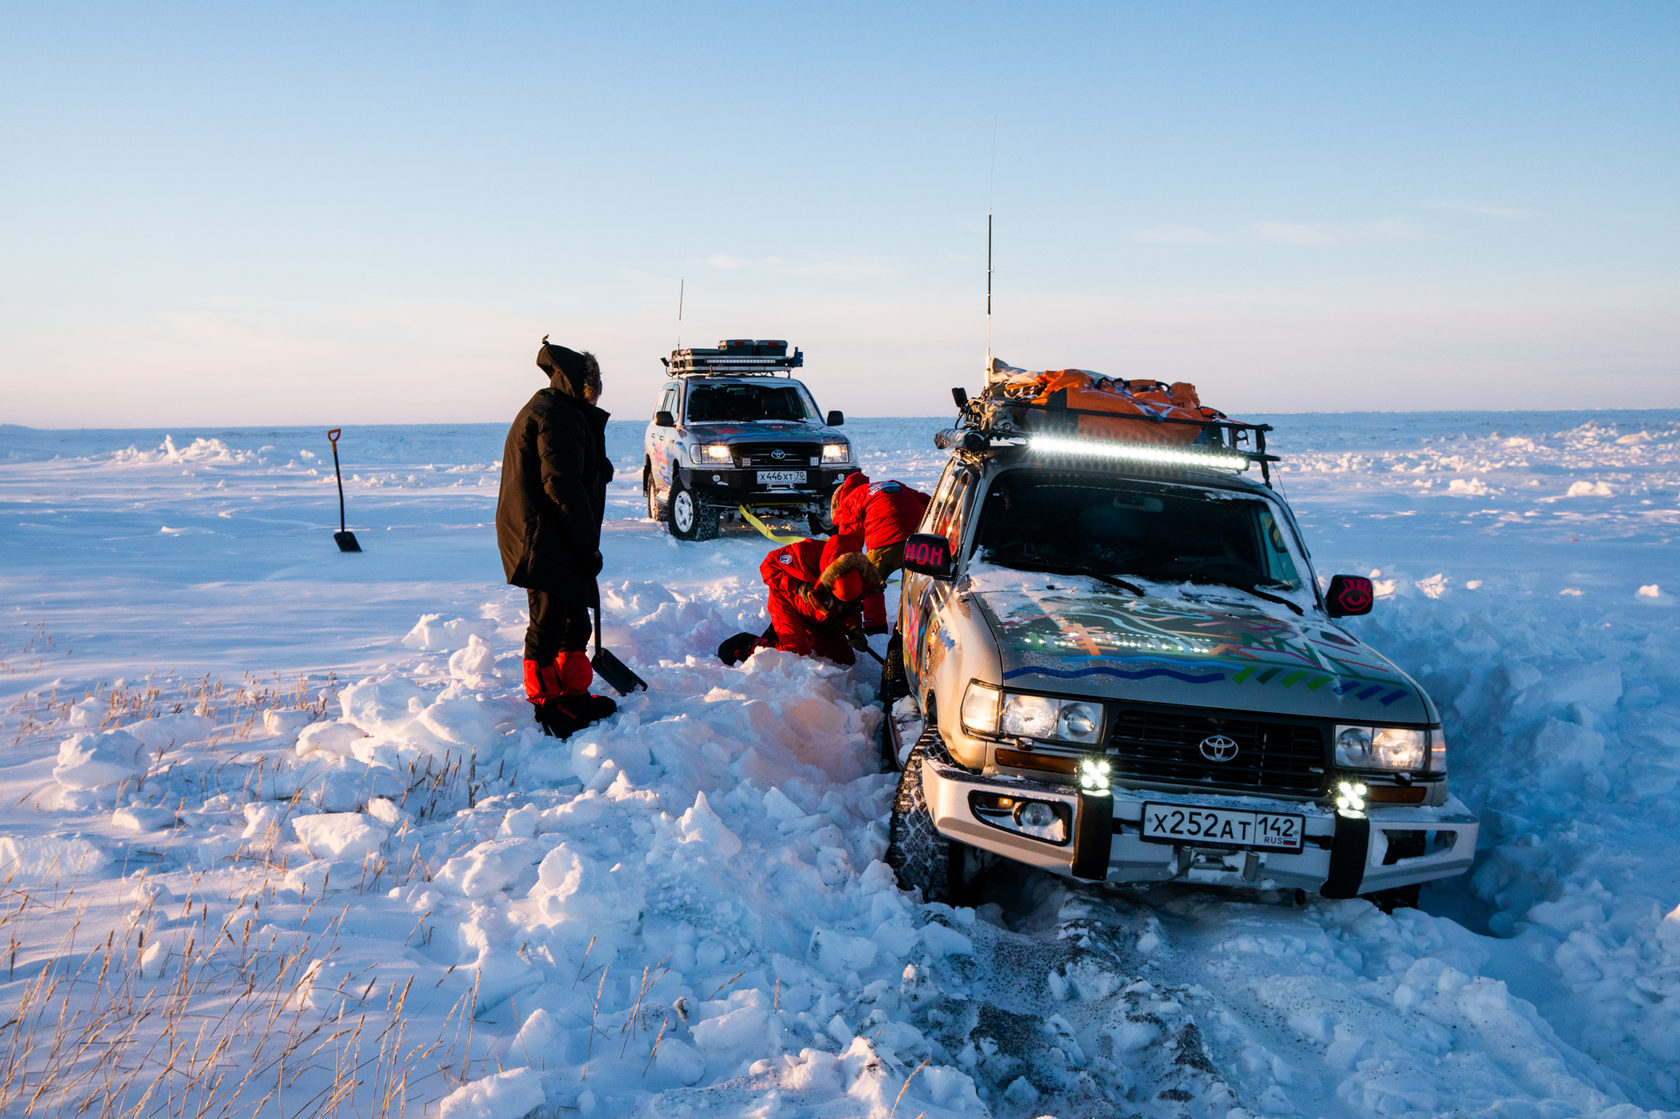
{"type": "Point", "coordinates": [734, 432]}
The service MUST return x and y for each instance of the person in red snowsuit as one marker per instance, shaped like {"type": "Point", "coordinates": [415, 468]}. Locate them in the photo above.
{"type": "Point", "coordinates": [875, 519]}
{"type": "Point", "coordinates": [814, 604]}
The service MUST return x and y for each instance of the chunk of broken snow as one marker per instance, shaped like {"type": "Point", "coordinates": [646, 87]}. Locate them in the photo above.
{"type": "Point", "coordinates": [1469, 487]}
{"type": "Point", "coordinates": [701, 825]}
{"type": "Point", "coordinates": [339, 835]}
{"type": "Point", "coordinates": [488, 868]}
{"type": "Point", "coordinates": [431, 632]}
{"type": "Point", "coordinates": [475, 665]}
{"type": "Point", "coordinates": [1434, 586]}
{"type": "Point", "coordinates": [91, 761]}
{"type": "Point", "coordinates": [47, 858]}
{"type": "Point", "coordinates": [512, 1094]}
{"type": "Point", "coordinates": [1589, 489]}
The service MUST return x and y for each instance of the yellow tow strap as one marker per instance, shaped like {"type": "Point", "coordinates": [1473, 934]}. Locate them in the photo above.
{"type": "Point", "coordinates": [765, 529]}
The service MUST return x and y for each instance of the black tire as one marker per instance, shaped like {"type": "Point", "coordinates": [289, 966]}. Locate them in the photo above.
{"type": "Point", "coordinates": [818, 525]}
{"type": "Point", "coordinates": [1396, 897]}
{"type": "Point", "coordinates": [687, 517]}
{"type": "Point", "coordinates": [920, 857]}
{"type": "Point", "coordinates": [894, 687]}
{"type": "Point", "coordinates": [655, 509]}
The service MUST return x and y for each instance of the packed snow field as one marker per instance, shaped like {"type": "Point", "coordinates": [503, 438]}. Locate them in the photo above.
{"type": "Point", "coordinates": [277, 836]}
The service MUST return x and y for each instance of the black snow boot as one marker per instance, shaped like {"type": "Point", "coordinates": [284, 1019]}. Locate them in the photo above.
{"type": "Point", "coordinates": [565, 716]}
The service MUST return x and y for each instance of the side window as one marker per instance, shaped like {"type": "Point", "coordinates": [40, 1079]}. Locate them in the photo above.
{"type": "Point", "coordinates": [947, 514]}
{"type": "Point", "coordinates": [668, 402]}
{"type": "Point", "coordinates": [939, 509]}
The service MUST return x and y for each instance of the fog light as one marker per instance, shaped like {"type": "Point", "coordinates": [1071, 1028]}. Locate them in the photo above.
{"type": "Point", "coordinates": [1037, 814]}
{"type": "Point", "coordinates": [1350, 798]}
{"type": "Point", "coordinates": [1093, 776]}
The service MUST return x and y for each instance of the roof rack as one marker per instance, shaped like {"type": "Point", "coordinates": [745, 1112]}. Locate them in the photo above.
{"type": "Point", "coordinates": [985, 420]}
{"type": "Point", "coordinates": [735, 357]}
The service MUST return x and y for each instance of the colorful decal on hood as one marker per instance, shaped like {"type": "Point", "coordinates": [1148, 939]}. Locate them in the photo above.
{"type": "Point", "coordinates": [1069, 638]}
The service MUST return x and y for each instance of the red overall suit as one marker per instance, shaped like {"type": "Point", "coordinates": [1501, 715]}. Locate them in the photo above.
{"type": "Point", "coordinates": [875, 519]}
{"type": "Point", "coordinates": [812, 602]}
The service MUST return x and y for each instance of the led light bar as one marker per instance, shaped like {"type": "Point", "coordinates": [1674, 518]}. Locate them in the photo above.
{"type": "Point", "coordinates": [1135, 452]}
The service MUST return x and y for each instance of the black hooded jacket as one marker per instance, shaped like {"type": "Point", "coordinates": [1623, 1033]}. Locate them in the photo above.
{"type": "Point", "coordinates": [554, 481]}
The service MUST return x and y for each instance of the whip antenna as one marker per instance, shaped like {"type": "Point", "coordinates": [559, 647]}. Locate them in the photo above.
{"type": "Point", "coordinates": [682, 283]}
{"type": "Point", "coordinates": [990, 183]}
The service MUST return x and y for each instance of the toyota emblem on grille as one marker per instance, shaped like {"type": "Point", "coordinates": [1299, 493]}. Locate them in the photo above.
{"type": "Point", "coordinates": [778, 454]}
{"type": "Point", "coordinates": [1218, 748]}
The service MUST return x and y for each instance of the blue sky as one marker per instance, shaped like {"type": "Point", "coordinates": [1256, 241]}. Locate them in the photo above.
{"type": "Point", "coordinates": [351, 213]}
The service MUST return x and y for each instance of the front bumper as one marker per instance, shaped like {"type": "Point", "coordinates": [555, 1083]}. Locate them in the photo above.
{"type": "Point", "coordinates": [740, 486]}
{"type": "Point", "coordinates": [1341, 856]}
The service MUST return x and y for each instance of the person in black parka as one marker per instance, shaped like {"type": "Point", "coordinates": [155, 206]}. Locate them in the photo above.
{"type": "Point", "coordinates": [548, 526]}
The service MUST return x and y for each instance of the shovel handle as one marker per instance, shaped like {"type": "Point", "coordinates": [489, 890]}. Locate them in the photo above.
{"type": "Point", "coordinates": [332, 437]}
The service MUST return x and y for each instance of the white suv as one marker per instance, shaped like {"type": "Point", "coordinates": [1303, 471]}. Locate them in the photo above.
{"type": "Point", "coordinates": [1117, 665]}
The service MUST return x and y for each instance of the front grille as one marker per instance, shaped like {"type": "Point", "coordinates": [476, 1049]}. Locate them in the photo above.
{"type": "Point", "coordinates": [762, 455]}
{"type": "Point", "coordinates": [1164, 745]}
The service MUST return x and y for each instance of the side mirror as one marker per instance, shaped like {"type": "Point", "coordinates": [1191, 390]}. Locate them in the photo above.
{"type": "Point", "coordinates": [664, 419]}
{"type": "Point", "coordinates": [928, 554]}
{"type": "Point", "coordinates": [835, 419]}
{"type": "Point", "coordinates": [1348, 595]}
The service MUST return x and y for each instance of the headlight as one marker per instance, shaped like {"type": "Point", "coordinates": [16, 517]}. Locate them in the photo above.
{"type": "Point", "coordinates": [713, 452]}
{"type": "Point", "coordinates": [980, 706]}
{"type": "Point", "coordinates": [986, 710]}
{"type": "Point", "coordinates": [837, 452]}
{"type": "Point", "coordinates": [1391, 748]}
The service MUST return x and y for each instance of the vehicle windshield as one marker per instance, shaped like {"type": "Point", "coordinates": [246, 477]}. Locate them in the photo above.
{"type": "Point", "coordinates": [773, 400]}
{"type": "Point", "coordinates": [1107, 527]}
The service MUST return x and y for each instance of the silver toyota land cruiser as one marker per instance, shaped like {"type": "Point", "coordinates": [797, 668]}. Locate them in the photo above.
{"type": "Point", "coordinates": [734, 434]}
{"type": "Point", "coordinates": [1116, 664]}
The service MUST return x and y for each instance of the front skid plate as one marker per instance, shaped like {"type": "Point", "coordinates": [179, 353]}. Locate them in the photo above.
{"type": "Point", "coordinates": [1131, 859]}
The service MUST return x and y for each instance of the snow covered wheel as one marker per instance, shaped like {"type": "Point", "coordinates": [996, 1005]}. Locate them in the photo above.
{"type": "Point", "coordinates": [687, 516]}
{"type": "Point", "coordinates": [920, 857]}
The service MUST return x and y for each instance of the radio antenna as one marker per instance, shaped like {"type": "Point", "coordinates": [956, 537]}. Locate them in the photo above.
{"type": "Point", "coordinates": [681, 284]}
{"type": "Point", "coordinates": [990, 182]}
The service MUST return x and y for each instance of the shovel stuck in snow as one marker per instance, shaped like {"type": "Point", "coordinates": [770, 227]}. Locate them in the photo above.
{"type": "Point", "coordinates": [608, 667]}
{"type": "Point", "coordinates": [345, 539]}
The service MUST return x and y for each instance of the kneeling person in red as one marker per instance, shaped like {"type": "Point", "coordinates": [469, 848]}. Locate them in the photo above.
{"type": "Point", "coordinates": [875, 518]}
{"type": "Point", "coordinates": [814, 606]}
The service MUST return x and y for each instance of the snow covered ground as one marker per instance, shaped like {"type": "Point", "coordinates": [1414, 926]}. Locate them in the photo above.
{"type": "Point", "coordinates": [277, 838]}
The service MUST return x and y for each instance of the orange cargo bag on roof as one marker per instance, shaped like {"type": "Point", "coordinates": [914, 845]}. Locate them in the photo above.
{"type": "Point", "coordinates": [1137, 411]}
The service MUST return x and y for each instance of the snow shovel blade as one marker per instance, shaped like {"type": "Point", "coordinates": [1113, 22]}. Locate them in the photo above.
{"type": "Point", "coordinates": [346, 542]}
{"type": "Point", "coordinates": [616, 673]}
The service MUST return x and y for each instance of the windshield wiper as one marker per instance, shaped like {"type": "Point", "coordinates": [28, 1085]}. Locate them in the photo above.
{"type": "Point", "coordinates": [1075, 569]}
{"type": "Point", "coordinates": [1267, 595]}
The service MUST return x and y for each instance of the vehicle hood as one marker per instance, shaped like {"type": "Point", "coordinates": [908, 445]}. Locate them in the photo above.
{"type": "Point", "coordinates": [765, 429]}
{"type": "Point", "coordinates": [1193, 646]}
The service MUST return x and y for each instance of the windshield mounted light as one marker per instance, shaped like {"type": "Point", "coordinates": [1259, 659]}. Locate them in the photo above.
{"type": "Point", "coordinates": [837, 452]}
{"type": "Point", "coordinates": [981, 706]}
{"type": "Point", "coordinates": [1391, 749]}
{"type": "Point", "coordinates": [1350, 799]}
{"type": "Point", "coordinates": [1093, 776]}
{"type": "Point", "coordinates": [714, 452]}
{"type": "Point", "coordinates": [1134, 452]}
